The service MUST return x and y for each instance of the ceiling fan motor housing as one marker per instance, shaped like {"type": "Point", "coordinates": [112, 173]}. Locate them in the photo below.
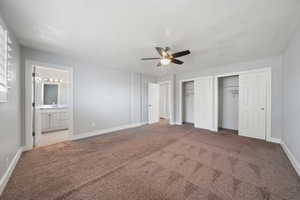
{"type": "Point", "coordinates": [167, 58]}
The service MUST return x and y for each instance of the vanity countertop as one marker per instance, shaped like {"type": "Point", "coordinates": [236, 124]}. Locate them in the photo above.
{"type": "Point", "coordinates": [52, 107]}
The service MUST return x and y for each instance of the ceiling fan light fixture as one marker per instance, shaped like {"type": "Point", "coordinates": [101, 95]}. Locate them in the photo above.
{"type": "Point", "coordinates": [165, 61]}
{"type": "Point", "coordinates": [167, 58]}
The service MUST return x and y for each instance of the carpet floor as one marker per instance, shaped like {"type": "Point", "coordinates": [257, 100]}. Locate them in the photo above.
{"type": "Point", "coordinates": [156, 162]}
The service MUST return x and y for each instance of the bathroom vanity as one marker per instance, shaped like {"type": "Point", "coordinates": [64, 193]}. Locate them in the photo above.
{"type": "Point", "coordinates": [55, 118]}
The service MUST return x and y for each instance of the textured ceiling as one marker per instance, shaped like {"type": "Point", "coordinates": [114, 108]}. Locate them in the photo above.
{"type": "Point", "coordinates": [117, 33]}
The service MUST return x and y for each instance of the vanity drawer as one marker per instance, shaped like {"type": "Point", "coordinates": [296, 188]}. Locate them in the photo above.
{"type": "Point", "coordinates": [64, 115]}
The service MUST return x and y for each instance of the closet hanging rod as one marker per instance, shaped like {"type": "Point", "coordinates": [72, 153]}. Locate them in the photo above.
{"type": "Point", "coordinates": [231, 86]}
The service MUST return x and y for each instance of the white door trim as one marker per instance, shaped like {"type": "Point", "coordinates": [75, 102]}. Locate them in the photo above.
{"type": "Point", "coordinates": [268, 72]}
{"type": "Point", "coordinates": [180, 120]}
{"type": "Point", "coordinates": [28, 99]}
{"type": "Point", "coordinates": [170, 104]}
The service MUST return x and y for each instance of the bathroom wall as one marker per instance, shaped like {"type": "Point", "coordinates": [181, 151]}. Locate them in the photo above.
{"type": "Point", "coordinates": [64, 86]}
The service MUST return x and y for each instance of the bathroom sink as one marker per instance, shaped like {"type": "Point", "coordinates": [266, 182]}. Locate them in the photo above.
{"type": "Point", "coordinates": [52, 106]}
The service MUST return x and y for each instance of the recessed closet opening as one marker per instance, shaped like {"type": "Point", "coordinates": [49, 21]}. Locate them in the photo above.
{"type": "Point", "coordinates": [188, 102]}
{"type": "Point", "coordinates": [228, 104]}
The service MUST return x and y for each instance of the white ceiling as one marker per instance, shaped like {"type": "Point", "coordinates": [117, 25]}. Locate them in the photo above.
{"type": "Point", "coordinates": [117, 33]}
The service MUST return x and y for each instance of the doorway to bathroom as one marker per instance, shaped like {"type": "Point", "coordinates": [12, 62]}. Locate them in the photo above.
{"type": "Point", "coordinates": [49, 104]}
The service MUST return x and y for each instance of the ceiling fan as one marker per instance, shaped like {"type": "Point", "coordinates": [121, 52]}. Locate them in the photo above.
{"type": "Point", "coordinates": [166, 58]}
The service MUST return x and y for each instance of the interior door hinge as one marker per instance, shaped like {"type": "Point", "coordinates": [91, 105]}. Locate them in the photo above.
{"type": "Point", "coordinates": [33, 104]}
{"type": "Point", "coordinates": [33, 133]}
{"type": "Point", "coordinates": [33, 74]}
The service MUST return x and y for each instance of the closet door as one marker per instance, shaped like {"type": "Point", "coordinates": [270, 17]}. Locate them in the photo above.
{"type": "Point", "coordinates": [252, 105]}
{"type": "Point", "coordinates": [203, 103]}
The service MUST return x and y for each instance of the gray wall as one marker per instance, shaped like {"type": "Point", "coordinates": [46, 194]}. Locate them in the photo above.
{"type": "Point", "coordinates": [291, 105]}
{"type": "Point", "coordinates": [274, 62]}
{"type": "Point", "coordinates": [10, 113]}
{"type": "Point", "coordinates": [103, 98]}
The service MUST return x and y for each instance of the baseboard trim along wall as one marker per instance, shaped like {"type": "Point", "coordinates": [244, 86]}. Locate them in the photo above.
{"type": "Point", "coordinates": [291, 157]}
{"type": "Point", "coordinates": [274, 140]}
{"type": "Point", "coordinates": [106, 131]}
{"type": "Point", "coordinates": [5, 178]}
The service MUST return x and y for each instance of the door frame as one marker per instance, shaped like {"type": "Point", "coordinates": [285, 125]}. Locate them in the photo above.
{"type": "Point", "coordinates": [181, 82]}
{"type": "Point", "coordinates": [268, 72]}
{"type": "Point", "coordinates": [29, 64]}
{"type": "Point", "coordinates": [171, 111]}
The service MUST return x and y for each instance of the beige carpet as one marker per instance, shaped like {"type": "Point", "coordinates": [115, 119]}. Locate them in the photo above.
{"type": "Point", "coordinates": [156, 162]}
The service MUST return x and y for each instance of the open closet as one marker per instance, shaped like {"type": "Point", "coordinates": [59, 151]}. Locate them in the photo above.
{"type": "Point", "coordinates": [243, 103]}
{"type": "Point", "coordinates": [228, 104]}
{"type": "Point", "coordinates": [188, 102]}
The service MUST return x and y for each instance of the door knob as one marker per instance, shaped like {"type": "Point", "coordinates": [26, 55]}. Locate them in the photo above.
{"type": "Point", "coordinates": [262, 108]}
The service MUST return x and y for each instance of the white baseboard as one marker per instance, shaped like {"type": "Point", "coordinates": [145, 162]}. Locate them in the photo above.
{"type": "Point", "coordinates": [274, 140]}
{"type": "Point", "coordinates": [142, 124]}
{"type": "Point", "coordinates": [291, 157]}
{"type": "Point", "coordinates": [10, 169]}
{"type": "Point", "coordinates": [106, 131]}
{"type": "Point", "coordinates": [27, 148]}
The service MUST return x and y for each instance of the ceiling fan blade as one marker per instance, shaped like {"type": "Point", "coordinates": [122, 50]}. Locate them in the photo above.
{"type": "Point", "coordinates": [181, 53]}
{"type": "Point", "coordinates": [160, 50]}
{"type": "Point", "coordinates": [150, 58]}
{"type": "Point", "coordinates": [179, 62]}
{"type": "Point", "coordinates": [167, 49]}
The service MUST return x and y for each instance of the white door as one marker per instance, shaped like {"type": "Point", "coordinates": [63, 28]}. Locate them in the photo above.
{"type": "Point", "coordinates": [252, 105]}
{"type": "Point", "coordinates": [203, 103]}
{"type": "Point", "coordinates": [153, 103]}
{"type": "Point", "coordinates": [164, 100]}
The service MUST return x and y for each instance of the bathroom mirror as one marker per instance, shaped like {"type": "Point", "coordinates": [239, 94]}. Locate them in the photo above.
{"type": "Point", "coordinates": [51, 92]}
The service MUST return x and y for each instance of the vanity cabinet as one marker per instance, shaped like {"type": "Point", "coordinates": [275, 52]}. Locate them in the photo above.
{"type": "Point", "coordinates": [54, 120]}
